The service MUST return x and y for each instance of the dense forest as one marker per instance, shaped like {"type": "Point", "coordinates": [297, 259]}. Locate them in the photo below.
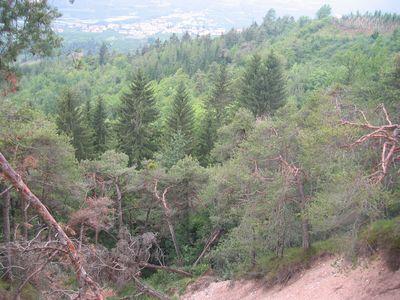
{"type": "Point", "coordinates": [249, 154]}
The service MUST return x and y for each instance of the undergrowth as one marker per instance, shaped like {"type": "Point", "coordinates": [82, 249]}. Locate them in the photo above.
{"type": "Point", "coordinates": [382, 236]}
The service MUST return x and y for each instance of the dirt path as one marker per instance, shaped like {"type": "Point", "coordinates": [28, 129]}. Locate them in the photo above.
{"type": "Point", "coordinates": [327, 279]}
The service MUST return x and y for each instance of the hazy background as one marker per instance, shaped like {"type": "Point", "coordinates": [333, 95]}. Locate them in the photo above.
{"type": "Point", "coordinates": [250, 10]}
{"type": "Point", "coordinates": [129, 24]}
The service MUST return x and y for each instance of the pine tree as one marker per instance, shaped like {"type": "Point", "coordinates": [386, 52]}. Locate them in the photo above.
{"type": "Point", "coordinates": [99, 126]}
{"type": "Point", "coordinates": [174, 150]}
{"type": "Point", "coordinates": [181, 118]}
{"type": "Point", "coordinates": [263, 85]}
{"type": "Point", "coordinates": [71, 121]}
{"type": "Point", "coordinates": [136, 114]}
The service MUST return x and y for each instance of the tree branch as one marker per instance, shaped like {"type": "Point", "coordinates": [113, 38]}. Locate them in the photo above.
{"type": "Point", "coordinates": [88, 289]}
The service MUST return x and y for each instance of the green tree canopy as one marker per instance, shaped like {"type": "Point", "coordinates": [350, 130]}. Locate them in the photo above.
{"type": "Point", "coordinates": [136, 114]}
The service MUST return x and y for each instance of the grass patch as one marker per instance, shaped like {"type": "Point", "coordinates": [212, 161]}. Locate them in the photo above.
{"type": "Point", "coordinates": [279, 270]}
{"type": "Point", "coordinates": [383, 236]}
{"type": "Point", "coordinates": [166, 282]}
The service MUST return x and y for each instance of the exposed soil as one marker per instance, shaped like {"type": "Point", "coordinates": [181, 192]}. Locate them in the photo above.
{"type": "Point", "coordinates": [330, 279]}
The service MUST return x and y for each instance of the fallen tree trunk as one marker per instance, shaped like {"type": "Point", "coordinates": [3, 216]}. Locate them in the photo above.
{"type": "Point", "coordinates": [168, 269]}
{"type": "Point", "coordinates": [214, 236]}
{"type": "Point", "coordinates": [88, 289]}
{"type": "Point", "coordinates": [149, 291]}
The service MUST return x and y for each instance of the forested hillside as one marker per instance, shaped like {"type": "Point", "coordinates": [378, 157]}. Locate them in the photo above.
{"type": "Point", "coordinates": [249, 154]}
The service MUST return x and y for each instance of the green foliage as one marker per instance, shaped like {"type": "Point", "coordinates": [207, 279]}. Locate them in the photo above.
{"type": "Point", "coordinates": [36, 36]}
{"type": "Point", "coordinates": [136, 115]}
{"type": "Point", "coordinates": [324, 11]}
{"type": "Point", "coordinates": [100, 126]}
{"type": "Point", "coordinates": [263, 86]}
{"type": "Point", "coordinates": [181, 118]}
{"type": "Point", "coordinates": [103, 54]}
{"type": "Point", "coordinates": [174, 150]}
{"type": "Point", "coordinates": [383, 235]}
{"type": "Point", "coordinates": [232, 134]}
{"type": "Point", "coordinates": [262, 111]}
{"type": "Point", "coordinates": [71, 121]}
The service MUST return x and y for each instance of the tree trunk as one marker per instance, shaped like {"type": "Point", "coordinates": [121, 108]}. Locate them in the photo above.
{"type": "Point", "coordinates": [167, 213]}
{"type": "Point", "coordinates": [214, 236]}
{"type": "Point", "coordinates": [81, 236]}
{"type": "Point", "coordinates": [24, 208]}
{"type": "Point", "coordinates": [172, 231]}
{"type": "Point", "coordinates": [305, 234]}
{"type": "Point", "coordinates": [168, 269]}
{"type": "Point", "coordinates": [96, 235]}
{"type": "Point", "coordinates": [88, 289]}
{"type": "Point", "coordinates": [305, 225]}
{"type": "Point", "coordinates": [119, 205]}
{"type": "Point", "coordinates": [6, 233]}
{"type": "Point", "coordinates": [149, 291]}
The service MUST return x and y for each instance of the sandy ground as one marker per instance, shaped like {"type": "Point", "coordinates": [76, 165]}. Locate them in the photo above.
{"type": "Point", "coordinates": [328, 279]}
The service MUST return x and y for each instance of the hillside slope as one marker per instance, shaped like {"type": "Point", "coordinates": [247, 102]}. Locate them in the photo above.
{"type": "Point", "coordinates": [327, 279]}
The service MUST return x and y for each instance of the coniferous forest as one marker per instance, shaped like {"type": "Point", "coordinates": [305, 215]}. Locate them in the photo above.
{"type": "Point", "coordinates": [248, 154]}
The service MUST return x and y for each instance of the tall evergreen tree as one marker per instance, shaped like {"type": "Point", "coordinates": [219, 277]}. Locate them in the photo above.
{"type": "Point", "coordinates": [100, 126]}
{"type": "Point", "coordinates": [220, 96]}
{"type": "Point", "coordinates": [136, 115]}
{"type": "Point", "coordinates": [181, 118]}
{"type": "Point", "coordinates": [103, 52]}
{"type": "Point", "coordinates": [275, 83]}
{"type": "Point", "coordinates": [263, 85]}
{"type": "Point", "coordinates": [207, 138]}
{"type": "Point", "coordinates": [71, 121]}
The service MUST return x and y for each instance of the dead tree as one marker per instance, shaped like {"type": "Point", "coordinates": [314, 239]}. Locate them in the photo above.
{"type": "Point", "coordinates": [387, 136]}
{"type": "Point", "coordinates": [88, 289]}
{"type": "Point", "coordinates": [37, 271]}
{"type": "Point", "coordinates": [212, 239]}
{"type": "Point", "coordinates": [168, 214]}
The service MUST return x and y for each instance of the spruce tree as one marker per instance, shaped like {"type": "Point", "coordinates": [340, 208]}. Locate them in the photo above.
{"type": "Point", "coordinates": [263, 85]}
{"type": "Point", "coordinates": [136, 115]}
{"type": "Point", "coordinates": [99, 126]}
{"type": "Point", "coordinates": [71, 121]}
{"type": "Point", "coordinates": [275, 83]}
{"type": "Point", "coordinates": [103, 54]}
{"type": "Point", "coordinates": [181, 118]}
{"type": "Point", "coordinates": [220, 96]}
{"type": "Point", "coordinates": [207, 138]}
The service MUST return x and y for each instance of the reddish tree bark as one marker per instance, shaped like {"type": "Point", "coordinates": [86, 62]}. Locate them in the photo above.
{"type": "Point", "coordinates": [88, 289]}
{"type": "Point", "coordinates": [387, 135]}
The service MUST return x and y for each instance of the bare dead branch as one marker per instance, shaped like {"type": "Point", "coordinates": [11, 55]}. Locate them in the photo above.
{"type": "Point", "coordinates": [37, 271]}
{"type": "Point", "coordinates": [148, 290]}
{"type": "Point", "coordinates": [88, 289]}
{"type": "Point", "coordinates": [387, 137]}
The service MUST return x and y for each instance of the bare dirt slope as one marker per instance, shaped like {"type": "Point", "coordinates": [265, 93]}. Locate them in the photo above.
{"type": "Point", "coordinates": [327, 279]}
